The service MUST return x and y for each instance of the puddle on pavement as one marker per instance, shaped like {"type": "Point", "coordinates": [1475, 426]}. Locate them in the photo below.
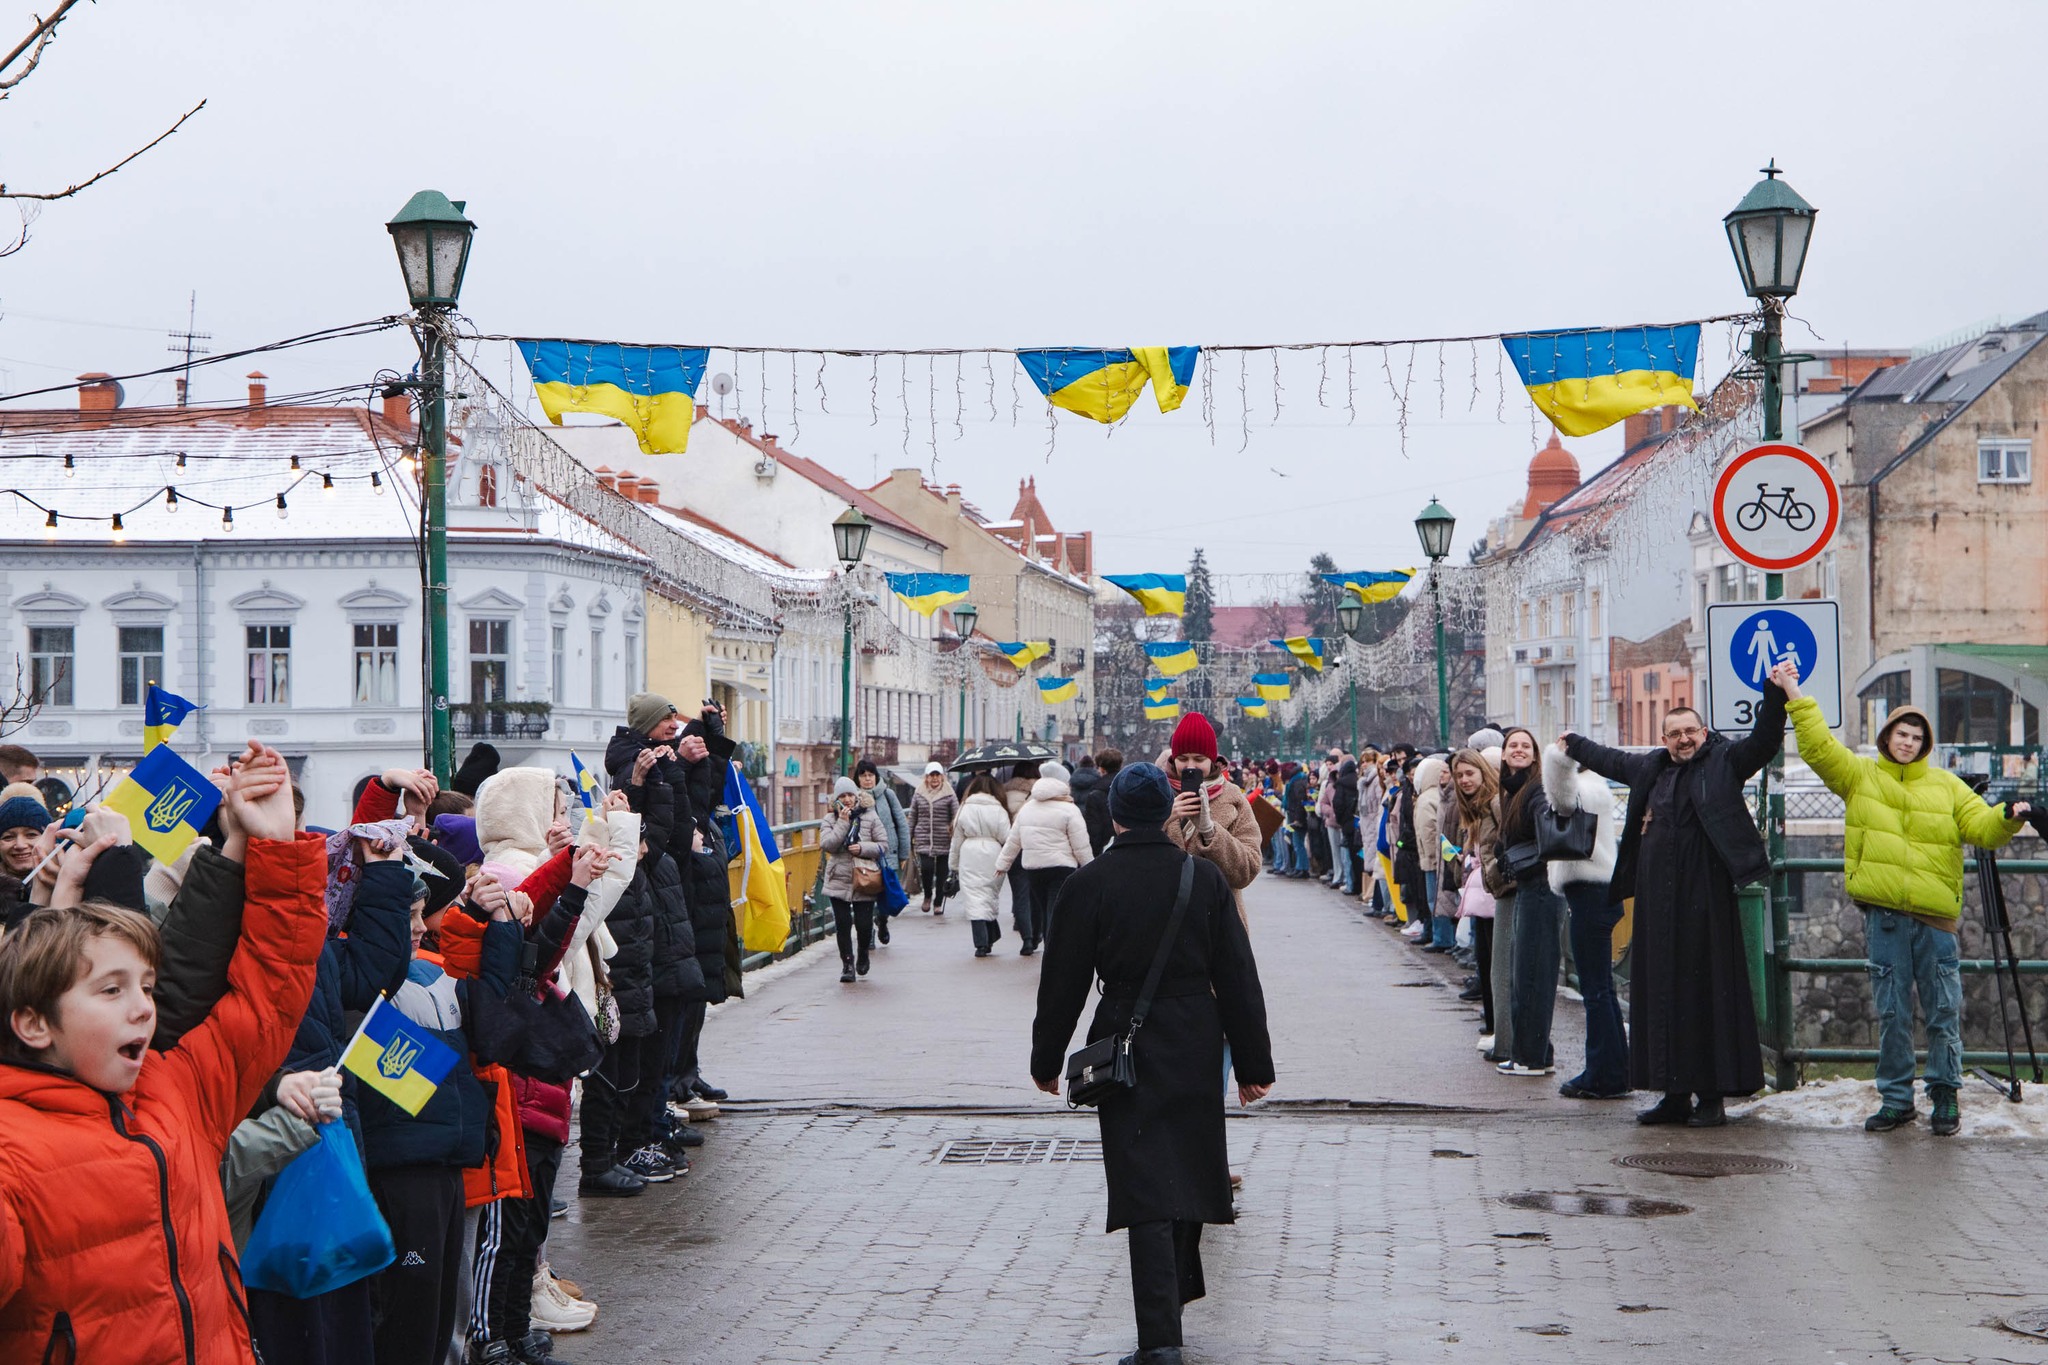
{"type": "Point", "coordinates": [1453, 1153]}
{"type": "Point", "coordinates": [1587, 1203]}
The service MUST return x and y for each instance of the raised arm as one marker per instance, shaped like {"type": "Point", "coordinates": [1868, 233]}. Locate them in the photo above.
{"type": "Point", "coordinates": [1766, 738]}
{"type": "Point", "coordinates": [1560, 779]}
{"type": "Point", "coordinates": [1612, 764]}
{"type": "Point", "coordinates": [1983, 825]}
{"type": "Point", "coordinates": [1830, 759]}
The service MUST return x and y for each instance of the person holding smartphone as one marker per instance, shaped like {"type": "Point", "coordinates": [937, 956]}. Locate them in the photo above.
{"type": "Point", "coordinates": [1211, 817]}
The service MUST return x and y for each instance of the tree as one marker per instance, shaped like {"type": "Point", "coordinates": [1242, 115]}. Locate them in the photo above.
{"type": "Point", "coordinates": [1197, 621]}
{"type": "Point", "coordinates": [1321, 598]}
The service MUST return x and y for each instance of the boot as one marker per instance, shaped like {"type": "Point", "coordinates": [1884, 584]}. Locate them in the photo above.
{"type": "Point", "coordinates": [927, 907]}
{"type": "Point", "coordinates": [1708, 1113]}
{"type": "Point", "coordinates": [846, 969]}
{"type": "Point", "coordinates": [1157, 1355]}
{"type": "Point", "coordinates": [1948, 1115]}
{"type": "Point", "coordinates": [1670, 1109]}
{"type": "Point", "coordinates": [981, 944]}
{"type": "Point", "coordinates": [881, 929]}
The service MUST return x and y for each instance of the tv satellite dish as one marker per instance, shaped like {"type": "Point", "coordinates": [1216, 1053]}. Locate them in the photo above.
{"type": "Point", "coordinates": [721, 384]}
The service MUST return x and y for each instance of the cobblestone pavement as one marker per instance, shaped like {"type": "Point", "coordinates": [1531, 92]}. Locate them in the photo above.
{"type": "Point", "coordinates": [821, 1225]}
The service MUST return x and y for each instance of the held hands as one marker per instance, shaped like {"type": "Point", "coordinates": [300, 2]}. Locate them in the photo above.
{"type": "Point", "coordinates": [76, 862]}
{"type": "Point", "coordinates": [589, 865]}
{"type": "Point", "coordinates": [487, 899]}
{"type": "Point", "coordinates": [518, 906]}
{"type": "Point", "coordinates": [692, 748]}
{"type": "Point", "coordinates": [559, 836]}
{"type": "Point", "coordinates": [644, 763]}
{"type": "Point", "coordinates": [314, 1096]}
{"type": "Point", "coordinates": [372, 854]}
{"type": "Point", "coordinates": [416, 786]}
{"type": "Point", "coordinates": [259, 794]}
{"type": "Point", "coordinates": [1786, 676]}
{"type": "Point", "coordinates": [616, 801]}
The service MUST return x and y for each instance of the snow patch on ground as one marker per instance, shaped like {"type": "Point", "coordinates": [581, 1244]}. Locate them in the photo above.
{"type": "Point", "coordinates": [1846, 1103]}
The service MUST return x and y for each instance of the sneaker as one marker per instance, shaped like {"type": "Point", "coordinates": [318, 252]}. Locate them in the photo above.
{"type": "Point", "coordinates": [1413, 931]}
{"type": "Point", "coordinates": [1889, 1117]}
{"type": "Point", "coordinates": [566, 1287]}
{"type": "Point", "coordinates": [1576, 1089]}
{"type": "Point", "coordinates": [704, 1090]}
{"type": "Point", "coordinates": [1486, 1042]}
{"type": "Point", "coordinates": [1472, 994]}
{"type": "Point", "coordinates": [683, 1136]}
{"type": "Point", "coordinates": [493, 1353]}
{"type": "Point", "coordinates": [558, 1208]}
{"type": "Point", "coordinates": [564, 1293]}
{"type": "Point", "coordinates": [536, 1348]}
{"type": "Point", "coordinates": [555, 1312]}
{"type": "Point", "coordinates": [1514, 1068]}
{"type": "Point", "coordinates": [1948, 1115]}
{"type": "Point", "coordinates": [616, 1183]}
{"type": "Point", "coordinates": [651, 1164]}
{"type": "Point", "coordinates": [700, 1110]}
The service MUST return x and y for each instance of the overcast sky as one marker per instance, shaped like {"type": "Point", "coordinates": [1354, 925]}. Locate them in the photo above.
{"type": "Point", "coordinates": [978, 174]}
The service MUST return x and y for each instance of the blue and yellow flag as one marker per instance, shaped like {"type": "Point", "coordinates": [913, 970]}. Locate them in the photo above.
{"type": "Point", "coordinates": [925, 593]}
{"type": "Point", "coordinates": [1272, 686]}
{"type": "Point", "coordinates": [652, 389]}
{"type": "Point", "coordinates": [1160, 594]}
{"type": "Point", "coordinates": [1172, 657]}
{"type": "Point", "coordinates": [1155, 688]}
{"type": "Point", "coordinates": [1373, 587]}
{"type": "Point", "coordinates": [167, 802]}
{"type": "Point", "coordinates": [1162, 708]}
{"type": "Point", "coordinates": [1104, 384]}
{"type": "Point", "coordinates": [397, 1058]}
{"type": "Point", "coordinates": [762, 898]}
{"type": "Point", "coordinates": [586, 781]}
{"type": "Point", "coordinates": [1253, 706]}
{"type": "Point", "coordinates": [1584, 381]}
{"type": "Point", "coordinates": [1308, 649]}
{"type": "Point", "coordinates": [1023, 652]}
{"type": "Point", "coordinates": [1052, 691]}
{"type": "Point", "coordinates": [162, 713]}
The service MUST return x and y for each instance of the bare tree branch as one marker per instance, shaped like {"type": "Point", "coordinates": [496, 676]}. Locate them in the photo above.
{"type": "Point", "coordinates": [28, 218]}
{"type": "Point", "coordinates": [6, 193]}
{"type": "Point", "coordinates": [40, 37]}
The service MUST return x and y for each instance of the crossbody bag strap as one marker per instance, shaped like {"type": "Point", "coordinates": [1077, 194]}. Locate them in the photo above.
{"type": "Point", "coordinates": [1172, 935]}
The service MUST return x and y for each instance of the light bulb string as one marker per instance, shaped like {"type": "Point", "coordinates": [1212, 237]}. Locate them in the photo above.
{"type": "Point", "coordinates": [326, 476]}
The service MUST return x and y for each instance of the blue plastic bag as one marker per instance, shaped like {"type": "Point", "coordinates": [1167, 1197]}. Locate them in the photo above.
{"type": "Point", "coordinates": [320, 1229]}
{"type": "Point", "coordinates": [894, 897]}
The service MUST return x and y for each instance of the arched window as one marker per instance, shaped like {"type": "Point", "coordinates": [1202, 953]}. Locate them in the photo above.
{"type": "Point", "coordinates": [487, 486]}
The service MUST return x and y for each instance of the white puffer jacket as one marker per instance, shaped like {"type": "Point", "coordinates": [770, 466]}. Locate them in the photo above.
{"type": "Point", "coordinates": [1572, 789]}
{"type": "Point", "coordinates": [1048, 831]}
{"type": "Point", "coordinates": [979, 834]}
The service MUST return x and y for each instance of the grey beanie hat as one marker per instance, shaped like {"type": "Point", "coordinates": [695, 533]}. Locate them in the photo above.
{"type": "Point", "coordinates": [645, 710]}
{"type": "Point", "coordinates": [1056, 771]}
{"type": "Point", "coordinates": [1485, 739]}
{"type": "Point", "coordinates": [845, 786]}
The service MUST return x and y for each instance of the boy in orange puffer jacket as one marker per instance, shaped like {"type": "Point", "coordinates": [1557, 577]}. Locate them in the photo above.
{"type": "Point", "coordinates": [114, 1237]}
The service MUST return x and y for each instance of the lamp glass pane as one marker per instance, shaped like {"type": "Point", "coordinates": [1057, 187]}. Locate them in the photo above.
{"type": "Point", "coordinates": [1760, 240]}
{"type": "Point", "coordinates": [448, 245]}
{"type": "Point", "coordinates": [414, 260]}
{"type": "Point", "coordinates": [1798, 232]}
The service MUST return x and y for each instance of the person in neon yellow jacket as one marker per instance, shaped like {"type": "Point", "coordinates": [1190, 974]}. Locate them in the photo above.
{"type": "Point", "coordinates": [1904, 827]}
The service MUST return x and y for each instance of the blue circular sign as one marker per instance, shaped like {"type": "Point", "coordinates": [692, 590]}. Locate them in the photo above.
{"type": "Point", "coordinates": [1766, 639]}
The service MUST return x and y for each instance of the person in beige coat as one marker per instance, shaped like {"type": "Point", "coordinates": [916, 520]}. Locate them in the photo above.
{"type": "Point", "coordinates": [1211, 818]}
{"type": "Point", "coordinates": [1049, 840]}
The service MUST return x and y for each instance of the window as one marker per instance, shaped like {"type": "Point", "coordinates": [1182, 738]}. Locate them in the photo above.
{"type": "Point", "coordinates": [376, 663]}
{"type": "Point", "coordinates": [1699, 621]}
{"type": "Point", "coordinates": [2000, 461]}
{"type": "Point", "coordinates": [490, 660]}
{"type": "Point", "coordinates": [487, 486]}
{"type": "Point", "coordinates": [1971, 710]}
{"type": "Point", "coordinates": [558, 645]}
{"type": "Point", "coordinates": [142, 661]}
{"type": "Point", "coordinates": [1543, 617]}
{"type": "Point", "coordinates": [270, 665]}
{"type": "Point", "coordinates": [50, 660]}
{"type": "Point", "coordinates": [596, 669]}
{"type": "Point", "coordinates": [1727, 583]}
{"type": "Point", "coordinates": [633, 663]}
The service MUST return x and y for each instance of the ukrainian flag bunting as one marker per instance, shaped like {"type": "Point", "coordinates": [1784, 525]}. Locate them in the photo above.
{"type": "Point", "coordinates": [1584, 381]}
{"type": "Point", "coordinates": [1104, 384]}
{"type": "Point", "coordinates": [1172, 657]}
{"type": "Point", "coordinates": [762, 901]}
{"type": "Point", "coordinates": [652, 389]}
{"type": "Point", "coordinates": [1162, 708]}
{"type": "Point", "coordinates": [1308, 649]}
{"type": "Point", "coordinates": [1155, 688]}
{"type": "Point", "coordinates": [925, 593]}
{"type": "Point", "coordinates": [1160, 594]}
{"type": "Point", "coordinates": [1052, 691]}
{"type": "Point", "coordinates": [1253, 706]}
{"type": "Point", "coordinates": [1272, 686]}
{"type": "Point", "coordinates": [162, 713]}
{"type": "Point", "coordinates": [167, 802]}
{"type": "Point", "coordinates": [1373, 587]}
{"type": "Point", "coordinates": [397, 1058]}
{"type": "Point", "coordinates": [1023, 652]}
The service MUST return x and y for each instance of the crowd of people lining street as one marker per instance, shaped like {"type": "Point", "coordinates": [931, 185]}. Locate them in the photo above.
{"type": "Point", "coordinates": [174, 1031]}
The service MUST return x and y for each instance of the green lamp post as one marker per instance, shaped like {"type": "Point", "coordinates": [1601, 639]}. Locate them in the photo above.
{"type": "Point", "coordinates": [1433, 527]}
{"type": "Point", "coordinates": [432, 237]}
{"type": "Point", "coordinates": [1350, 614]}
{"type": "Point", "coordinates": [964, 616]}
{"type": "Point", "coordinates": [850, 532]}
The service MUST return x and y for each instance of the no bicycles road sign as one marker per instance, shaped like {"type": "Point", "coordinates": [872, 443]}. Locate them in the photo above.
{"type": "Point", "coordinates": [1776, 506]}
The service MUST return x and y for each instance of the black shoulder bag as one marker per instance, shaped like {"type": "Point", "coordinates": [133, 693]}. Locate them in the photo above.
{"type": "Point", "coordinates": [1106, 1067]}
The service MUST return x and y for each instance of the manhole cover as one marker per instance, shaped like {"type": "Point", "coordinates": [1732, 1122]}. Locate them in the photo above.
{"type": "Point", "coordinates": [1580, 1202]}
{"type": "Point", "coordinates": [2032, 1322]}
{"type": "Point", "coordinates": [1704, 1165]}
{"type": "Point", "coordinates": [1019, 1151]}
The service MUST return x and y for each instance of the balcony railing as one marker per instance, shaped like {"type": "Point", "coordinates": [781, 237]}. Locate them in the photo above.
{"type": "Point", "coordinates": [499, 720]}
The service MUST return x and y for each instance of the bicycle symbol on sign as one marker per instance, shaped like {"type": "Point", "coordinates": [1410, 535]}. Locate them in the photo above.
{"type": "Point", "coordinates": [1798, 515]}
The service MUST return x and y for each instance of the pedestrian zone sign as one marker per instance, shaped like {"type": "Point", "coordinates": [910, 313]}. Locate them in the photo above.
{"type": "Point", "coordinates": [1745, 640]}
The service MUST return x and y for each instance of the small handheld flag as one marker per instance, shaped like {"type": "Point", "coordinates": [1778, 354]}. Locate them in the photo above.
{"type": "Point", "coordinates": [1584, 381]}
{"type": "Point", "coordinates": [397, 1058]}
{"type": "Point", "coordinates": [652, 389]}
{"type": "Point", "coordinates": [586, 783]}
{"type": "Point", "coordinates": [162, 713]}
{"type": "Point", "coordinates": [1373, 587]}
{"type": "Point", "coordinates": [1162, 708]}
{"type": "Point", "coordinates": [1308, 649]}
{"type": "Point", "coordinates": [925, 593]}
{"type": "Point", "coordinates": [1272, 686]}
{"type": "Point", "coordinates": [1160, 594]}
{"type": "Point", "coordinates": [1052, 691]}
{"type": "Point", "coordinates": [1104, 384]}
{"type": "Point", "coordinates": [1172, 657]}
{"type": "Point", "coordinates": [167, 802]}
{"type": "Point", "coordinates": [1253, 706]}
{"type": "Point", "coordinates": [1023, 652]}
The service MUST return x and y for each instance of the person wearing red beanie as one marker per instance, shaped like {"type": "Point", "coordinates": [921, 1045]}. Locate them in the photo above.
{"type": "Point", "coordinates": [1211, 818]}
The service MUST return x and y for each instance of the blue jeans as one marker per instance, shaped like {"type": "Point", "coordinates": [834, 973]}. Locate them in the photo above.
{"type": "Point", "coordinates": [1535, 954]}
{"type": "Point", "coordinates": [1297, 839]}
{"type": "Point", "coordinates": [1443, 928]}
{"type": "Point", "coordinates": [1593, 921]}
{"type": "Point", "coordinates": [1906, 955]}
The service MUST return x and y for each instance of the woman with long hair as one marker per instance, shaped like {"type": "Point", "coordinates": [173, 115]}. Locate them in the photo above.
{"type": "Point", "coordinates": [933, 808]}
{"type": "Point", "coordinates": [1477, 804]}
{"type": "Point", "coordinates": [979, 833]}
{"type": "Point", "coordinates": [853, 834]}
{"type": "Point", "coordinates": [1518, 751]}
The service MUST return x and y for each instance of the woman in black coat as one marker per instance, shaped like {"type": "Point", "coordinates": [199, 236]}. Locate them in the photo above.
{"type": "Point", "coordinates": [1163, 1143]}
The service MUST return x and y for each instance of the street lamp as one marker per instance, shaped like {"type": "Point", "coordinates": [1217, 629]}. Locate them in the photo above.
{"type": "Point", "coordinates": [965, 615]}
{"type": "Point", "coordinates": [1769, 231]}
{"type": "Point", "coordinates": [1350, 616]}
{"type": "Point", "coordinates": [1433, 527]}
{"type": "Point", "coordinates": [849, 541]}
{"type": "Point", "coordinates": [432, 237]}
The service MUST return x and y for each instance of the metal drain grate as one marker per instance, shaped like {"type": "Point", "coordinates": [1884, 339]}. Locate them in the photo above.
{"type": "Point", "coordinates": [1704, 1165]}
{"type": "Point", "coordinates": [1019, 1151]}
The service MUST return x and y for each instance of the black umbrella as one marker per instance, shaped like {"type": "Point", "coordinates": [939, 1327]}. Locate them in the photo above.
{"type": "Point", "coordinates": [1005, 752]}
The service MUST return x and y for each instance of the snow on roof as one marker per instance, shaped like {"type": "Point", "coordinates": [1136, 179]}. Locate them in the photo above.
{"type": "Point", "coordinates": [732, 548]}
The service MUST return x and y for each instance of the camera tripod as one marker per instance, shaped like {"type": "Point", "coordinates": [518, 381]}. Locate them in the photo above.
{"type": "Point", "coordinates": [2004, 963]}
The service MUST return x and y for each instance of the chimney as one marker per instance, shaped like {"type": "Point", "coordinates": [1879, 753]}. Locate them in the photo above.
{"type": "Point", "coordinates": [629, 485]}
{"type": "Point", "coordinates": [767, 438]}
{"type": "Point", "coordinates": [650, 492]}
{"type": "Point", "coordinates": [183, 389]}
{"type": "Point", "coordinates": [256, 388]}
{"type": "Point", "coordinates": [604, 476]}
{"type": "Point", "coordinates": [398, 409]}
{"type": "Point", "coordinates": [97, 392]}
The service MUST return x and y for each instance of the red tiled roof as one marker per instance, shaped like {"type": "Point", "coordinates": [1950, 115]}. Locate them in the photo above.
{"type": "Point", "coordinates": [1245, 627]}
{"type": "Point", "coordinates": [819, 475]}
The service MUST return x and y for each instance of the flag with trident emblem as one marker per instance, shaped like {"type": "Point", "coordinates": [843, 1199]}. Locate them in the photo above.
{"type": "Point", "coordinates": [167, 802]}
{"type": "Point", "coordinates": [397, 1058]}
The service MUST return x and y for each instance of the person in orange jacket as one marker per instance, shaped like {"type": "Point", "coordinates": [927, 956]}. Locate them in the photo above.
{"type": "Point", "coordinates": [115, 1242]}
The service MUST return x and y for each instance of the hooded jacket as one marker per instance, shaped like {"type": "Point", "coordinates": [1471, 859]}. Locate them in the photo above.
{"type": "Point", "coordinates": [1048, 831]}
{"type": "Point", "coordinates": [1904, 825]}
{"type": "Point", "coordinates": [895, 824]}
{"type": "Point", "coordinates": [931, 818]}
{"type": "Point", "coordinates": [979, 834]}
{"type": "Point", "coordinates": [845, 838]}
{"type": "Point", "coordinates": [513, 811]}
{"type": "Point", "coordinates": [1429, 813]}
{"type": "Point", "coordinates": [114, 1236]}
{"type": "Point", "coordinates": [1344, 804]}
{"type": "Point", "coordinates": [1570, 789]}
